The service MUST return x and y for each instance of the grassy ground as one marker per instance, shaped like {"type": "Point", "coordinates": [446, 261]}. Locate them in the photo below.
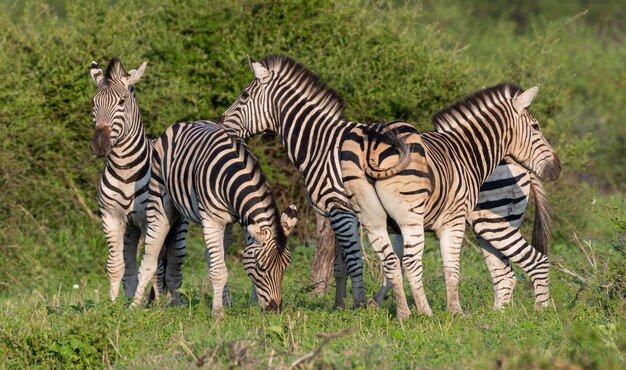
{"type": "Point", "coordinates": [71, 322]}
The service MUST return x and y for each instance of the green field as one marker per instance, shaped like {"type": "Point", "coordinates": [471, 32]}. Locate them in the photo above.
{"type": "Point", "coordinates": [389, 60]}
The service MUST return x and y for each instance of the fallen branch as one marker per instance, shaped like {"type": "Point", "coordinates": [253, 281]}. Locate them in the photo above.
{"type": "Point", "coordinates": [327, 338]}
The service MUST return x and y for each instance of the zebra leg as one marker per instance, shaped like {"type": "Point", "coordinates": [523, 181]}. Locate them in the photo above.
{"type": "Point", "coordinates": [131, 240]}
{"type": "Point", "coordinates": [175, 254]}
{"type": "Point", "coordinates": [227, 298]}
{"type": "Point", "coordinates": [114, 230]}
{"type": "Point", "coordinates": [450, 241]}
{"type": "Point", "coordinates": [340, 272]}
{"type": "Point", "coordinates": [346, 227]}
{"type": "Point", "coordinates": [161, 214]}
{"type": "Point", "coordinates": [502, 274]}
{"type": "Point", "coordinates": [534, 263]}
{"type": "Point", "coordinates": [214, 239]}
{"type": "Point", "coordinates": [398, 249]}
{"type": "Point", "coordinates": [392, 267]}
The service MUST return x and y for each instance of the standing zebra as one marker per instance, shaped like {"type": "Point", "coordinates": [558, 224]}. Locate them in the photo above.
{"type": "Point", "coordinates": [201, 172]}
{"type": "Point", "coordinates": [472, 137]}
{"type": "Point", "coordinates": [123, 189]}
{"type": "Point", "coordinates": [312, 138]}
{"type": "Point", "coordinates": [312, 141]}
{"type": "Point", "coordinates": [502, 202]}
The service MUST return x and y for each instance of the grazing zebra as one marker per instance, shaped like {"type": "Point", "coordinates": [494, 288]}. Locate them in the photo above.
{"type": "Point", "coordinates": [472, 137]}
{"type": "Point", "coordinates": [279, 79]}
{"type": "Point", "coordinates": [123, 191]}
{"type": "Point", "coordinates": [201, 172]}
{"type": "Point", "coordinates": [312, 131]}
{"type": "Point", "coordinates": [502, 202]}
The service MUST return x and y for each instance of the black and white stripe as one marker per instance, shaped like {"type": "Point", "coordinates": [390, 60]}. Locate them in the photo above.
{"type": "Point", "coordinates": [123, 191]}
{"type": "Point", "coordinates": [290, 100]}
{"type": "Point", "coordinates": [201, 172]}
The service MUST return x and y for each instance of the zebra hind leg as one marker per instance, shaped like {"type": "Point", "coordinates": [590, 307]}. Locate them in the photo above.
{"type": "Point", "coordinates": [175, 255]}
{"type": "Point", "coordinates": [398, 249]}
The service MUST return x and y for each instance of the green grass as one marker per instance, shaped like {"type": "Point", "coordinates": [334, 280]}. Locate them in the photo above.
{"type": "Point", "coordinates": [60, 326]}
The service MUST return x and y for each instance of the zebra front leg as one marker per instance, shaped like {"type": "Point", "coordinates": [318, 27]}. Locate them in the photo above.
{"type": "Point", "coordinates": [502, 275]}
{"type": "Point", "coordinates": [131, 241]}
{"type": "Point", "coordinates": [175, 255]}
{"type": "Point", "coordinates": [114, 230]}
{"type": "Point", "coordinates": [450, 242]}
{"type": "Point", "coordinates": [214, 238]}
{"type": "Point", "coordinates": [227, 298]}
{"type": "Point", "coordinates": [346, 228]}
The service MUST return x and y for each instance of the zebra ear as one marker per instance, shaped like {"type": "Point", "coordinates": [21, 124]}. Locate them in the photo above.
{"type": "Point", "coordinates": [258, 233]}
{"type": "Point", "coordinates": [523, 100]}
{"type": "Point", "coordinates": [289, 219]}
{"type": "Point", "coordinates": [260, 72]}
{"type": "Point", "coordinates": [135, 74]}
{"type": "Point", "coordinates": [96, 72]}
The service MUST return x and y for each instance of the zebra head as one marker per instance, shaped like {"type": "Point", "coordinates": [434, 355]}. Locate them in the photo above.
{"type": "Point", "coordinates": [253, 113]}
{"type": "Point", "coordinates": [113, 103]}
{"type": "Point", "coordinates": [266, 257]}
{"type": "Point", "coordinates": [528, 146]}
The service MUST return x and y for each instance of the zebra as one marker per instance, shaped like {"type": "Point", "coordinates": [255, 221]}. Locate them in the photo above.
{"type": "Point", "coordinates": [502, 202]}
{"type": "Point", "coordinates": [472, 137]}
{"type": "Point", "coordinates": [123, 190]}
{"type": "Point", "coordinates": [202, 173]}
{"type": "Point", "coordinates": [318, 159]}
{"type": "Point", "coordinates": [323, 178]}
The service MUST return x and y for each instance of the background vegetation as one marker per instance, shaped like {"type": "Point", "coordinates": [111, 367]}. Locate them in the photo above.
{"type": "Point", "coordinates": [390, 60]}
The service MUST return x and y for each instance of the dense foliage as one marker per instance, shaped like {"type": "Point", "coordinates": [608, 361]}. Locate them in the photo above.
{"type": "Point", "coordinates": [388, 59]}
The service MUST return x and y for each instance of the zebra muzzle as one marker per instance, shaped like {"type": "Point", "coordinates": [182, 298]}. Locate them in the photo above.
{"type": "Point", "coordinates": [552, 171]}
{"type": "Point", "coordinates": [101, 141]}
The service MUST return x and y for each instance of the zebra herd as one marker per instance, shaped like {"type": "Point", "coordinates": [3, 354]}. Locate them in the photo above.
{"type": "Point", "coordinates": [479, 167]}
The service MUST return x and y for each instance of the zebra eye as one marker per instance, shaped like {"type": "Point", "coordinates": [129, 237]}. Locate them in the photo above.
{"type": "Point", "coordinates": [122, 101]}
{"type": "Point", "coordinates": [244, 96]}
{"type": "Point", "coordinates": [535, 126]}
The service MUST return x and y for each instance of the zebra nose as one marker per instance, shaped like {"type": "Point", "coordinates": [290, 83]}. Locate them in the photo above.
{"type": "Point", "coordinates": [101, 143]}
{"type": "Point", "coordinates": [273, 306]}
{"type": "Point", "coordinates": [553, 170]}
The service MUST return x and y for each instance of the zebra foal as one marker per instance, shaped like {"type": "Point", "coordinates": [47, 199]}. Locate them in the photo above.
{"type": "Point", "coordinates": [202, 173]}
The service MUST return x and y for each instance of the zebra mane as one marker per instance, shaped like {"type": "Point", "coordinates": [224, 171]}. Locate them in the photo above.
{"type": "Point", "coordinates": [447, 118]}
{"type": "Point", "coordinates": [307, 82]}
{"type": "Point", "coordinates": [115, 69]}
{"type": "Point", "coordinates": [243, 149]}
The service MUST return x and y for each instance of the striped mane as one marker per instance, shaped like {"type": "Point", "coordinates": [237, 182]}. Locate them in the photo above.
{"type": "Point", "coordinates": [448, 118]}
{"type": "Point", "coordinates": [115, 70]}
{"type": "Point", "coordinates": [307, 83]}
{"type": "Point", "coordinates": [277, 230]}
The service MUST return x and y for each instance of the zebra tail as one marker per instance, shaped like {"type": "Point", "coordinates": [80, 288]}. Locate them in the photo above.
{"type": "Point", "coordinates": [543, 216]}
{"type": "Point", "coordinates": [393, 138]}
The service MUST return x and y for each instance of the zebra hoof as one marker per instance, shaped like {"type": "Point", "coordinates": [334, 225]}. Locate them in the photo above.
{"type": "Point", "coordinates": [217, 313]}
{"type": "Point", "coordinates": [373, 304]}
{"type": "Point", "coordinates": [403, 315]}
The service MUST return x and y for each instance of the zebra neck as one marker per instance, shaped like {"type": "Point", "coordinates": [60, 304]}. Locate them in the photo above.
{"type": "Point", "coordinates": [132, 149]}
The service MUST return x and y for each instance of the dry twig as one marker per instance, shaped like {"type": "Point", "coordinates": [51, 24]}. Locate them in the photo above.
{"type": "Point", "coordinates": [327, 338]}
